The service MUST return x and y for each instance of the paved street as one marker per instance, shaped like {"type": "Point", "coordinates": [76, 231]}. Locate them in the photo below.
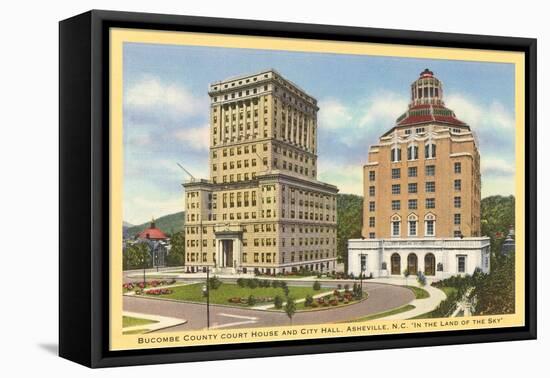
{"type": "Point", "coordinates": [382, 297]}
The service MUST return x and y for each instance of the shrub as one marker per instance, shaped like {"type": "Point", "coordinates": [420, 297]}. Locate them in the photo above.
{"type": "Point", "coordinates": [316, 286]}
{"type": "Point", "coordinates": [241, 282]}
{"type": "Point", "coordinates": [421, 278]}
{"type": "Point", "coordinates": [278, 302]}
{"type": "Point", "coordinates": [339, 286]}
{"type": "Point", "coordinates": [214, 283]}
{"type": "Point", "coordinates": [253, 283]}
{"type": "Point", "coordinates": [286, 290]}
{"type": "Point", "coordinates": [275, 284]}
{"type": "Point", "coordinates": [251, 300]}
{"type": "Point", "coordinates": [266, 283]}
{"type": "Point", "coordinates": [309, 300]}
{"type": "Point", "coordinates": [346, 287]}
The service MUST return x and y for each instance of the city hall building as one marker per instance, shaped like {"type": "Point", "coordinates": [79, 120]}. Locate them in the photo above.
{"type": "Point", "coordinates": [262, 209]}
{"type": "Point", "coordinates": [422, 194]}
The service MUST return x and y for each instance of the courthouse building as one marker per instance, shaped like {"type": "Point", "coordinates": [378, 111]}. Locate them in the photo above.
{"type": "Point", "coordinates": [262, 209]}
{"type": "Point", "coordinates": [422, 194]}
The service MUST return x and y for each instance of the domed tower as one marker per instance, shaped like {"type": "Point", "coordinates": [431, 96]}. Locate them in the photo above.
{"type": "Point", "coordinates": [426, 90]}
{"type": "Point", "coordinates": [427, 105]}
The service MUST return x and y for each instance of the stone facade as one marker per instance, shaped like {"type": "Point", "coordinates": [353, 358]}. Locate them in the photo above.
{"type": "Point", "coordinates": [262, 209]}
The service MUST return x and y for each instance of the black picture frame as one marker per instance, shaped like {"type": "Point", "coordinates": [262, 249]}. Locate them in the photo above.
{"type": "Point", "coordinates": [84, 187]}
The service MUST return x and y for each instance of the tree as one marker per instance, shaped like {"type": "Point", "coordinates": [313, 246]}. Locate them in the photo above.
{"type": "Point", "coordinates": [316, 286]}
{"type": "Point", "coordinates": [309, 300]}
{"type": "Point", "coordinates": [278, 302]}
{"type": "Point", "coordinates": [176, 256]}
{"type": "Point", "coordinates": [137, 256]}
{"type": "Point", "coordinates": [290, 308]}
{"type": "Point", "coordinates": [350, 216]}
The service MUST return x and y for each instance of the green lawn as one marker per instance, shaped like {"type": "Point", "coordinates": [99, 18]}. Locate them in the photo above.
{"type": "Point", "coordinates": [419, 293]}
{"type": "Point", "coordinates": [130, 321]}
{"type": "Point", "coordinates": [386, 313]}
{"type": "Point", "coordinates": [221, 295]}
{"type": "Point", "coordinates": [448, 290]}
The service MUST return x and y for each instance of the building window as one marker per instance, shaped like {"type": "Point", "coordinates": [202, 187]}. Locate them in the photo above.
{"type": "Point", "coordinates": [371, 221]}
{"type": "Point", "coordinates": [413, 204]}
{"type": "Point", "coordinates": [396, 173]}
{"type": "Point", "coordinates": [458, 185]}
{"type": "Point", "coordinates": [412, 171]}
{"type": "Point", "coordinates": [412, 153]}
{"type": "Point", "coordinates": [363, 263]}
{"type": "Point", "coordinates": [430, 187]}
{"type": "Point", "coordinates": [430, 203]}
{"type": "Point", "coordinates": [371, 235]}
{"type": "Point", "coordinates": [413, 188]}
{"type": "Point", "coordinates": [412, 228]}
{"type": "Point", "coordinates": [457, 219]}
{"type": "Point", "coordinates": [430, 170]}
{"type": "Point", "coordinates": [395, 264]}
{"type": "Point", "coordinates": [429, 151]}
{"type": "Point", "coordinates": [457, 233]}
{"type": "Point", "coordinates": [395, 228]}
{"type": "Point", "coordinates": [395, 154]}
{"type": "Point", "coordinates": [372, 176]}
{"type": "Point", "coordinates": [458, 168]}
{"type": "Point", "coordinates": [458, 202]}
{"type": "Point", "coordinates": [461, 264]}
{"type": "Point", "coordinates": [430, 228]}
{"type": "Point", "coordinates": [371, 191]}
{"type": "Point", "coordinates": [396, 205]}
{"type": "Point", "coordinates": [371, 206]}
{"type": "Point", "coordinates": [396, 189]}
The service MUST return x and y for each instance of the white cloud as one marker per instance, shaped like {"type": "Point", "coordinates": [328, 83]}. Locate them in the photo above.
{"type": "Point", "coordinates": [348, 178]}
{"type": "Point", "coordinates": [151, 94]}
{"type": "Point", "coordinates": [333, 114]}
{"type": "Point", "coordinates": [197, 137]}
{"type": "Point", "coordinates": [383, 110]}
{"type": "Point", "coordinates": [495, 116]}
{"type": "Point", "coordinates": [493, 166]}
{"type": "Point", "coordinates": [139, 209]}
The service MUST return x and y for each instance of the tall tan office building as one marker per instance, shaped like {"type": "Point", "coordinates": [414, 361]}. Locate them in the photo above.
{"type": "Point", "coordinates": [262, 210]}
{"type": "Point", "coordinates": [422, 193]}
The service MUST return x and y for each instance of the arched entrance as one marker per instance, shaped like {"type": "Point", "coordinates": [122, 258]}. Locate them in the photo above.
{"type": "Point", "coordinates": [395, 264]}
{"type": "Point", "coordinates": [429, 264]}
{"type": "Point", "coordinates": [412, 264]}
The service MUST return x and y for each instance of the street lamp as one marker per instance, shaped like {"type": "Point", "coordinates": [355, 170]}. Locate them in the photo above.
{"type": "Point", "coordinates": [206, 293]}
{"type": "Point", "coordinates": [362, 271]}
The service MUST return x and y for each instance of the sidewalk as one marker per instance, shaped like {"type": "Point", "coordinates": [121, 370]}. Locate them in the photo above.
{"type": "Point", "coordinates": [161, 322]}
{"type": "Point", "coordinates": [422, 306]}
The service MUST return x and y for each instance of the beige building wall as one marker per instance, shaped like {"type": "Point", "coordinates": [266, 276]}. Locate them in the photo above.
{"type": "Point", "coordinates": [436, 193]}
{"type": "Point", "coordinates": [262, 194]}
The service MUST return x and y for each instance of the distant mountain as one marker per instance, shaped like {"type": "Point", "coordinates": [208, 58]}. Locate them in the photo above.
{"type": "Point", "coordinates": [170, 224]}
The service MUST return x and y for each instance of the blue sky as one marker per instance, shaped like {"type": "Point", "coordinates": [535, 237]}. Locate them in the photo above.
{"type": "Point", "coordinates": [166, 108]}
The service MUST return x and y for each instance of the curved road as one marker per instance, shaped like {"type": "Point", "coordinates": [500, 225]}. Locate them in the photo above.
{"type": "Point", "coordinates": [382, 297]}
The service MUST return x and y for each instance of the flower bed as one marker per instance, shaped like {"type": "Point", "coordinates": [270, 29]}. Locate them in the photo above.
{"type": "Point", "coordinates": [158, 292]}
{"type": "Point", "coordinates": [245, 300]}
{"type": "Point", "coordinates": [130, 286]}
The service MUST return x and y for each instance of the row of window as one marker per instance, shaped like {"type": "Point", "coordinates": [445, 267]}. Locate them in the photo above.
{"type": "Point", "coordinates": [412, 152]}
{"type": "Point", "coordinates": [413, 204]}
{"type": "Point", "coordinates": [413, 187]}
{"type": "Point", "coordinates": [457, 219]}
{"type": "Point", "coordinates": [413, 171]}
